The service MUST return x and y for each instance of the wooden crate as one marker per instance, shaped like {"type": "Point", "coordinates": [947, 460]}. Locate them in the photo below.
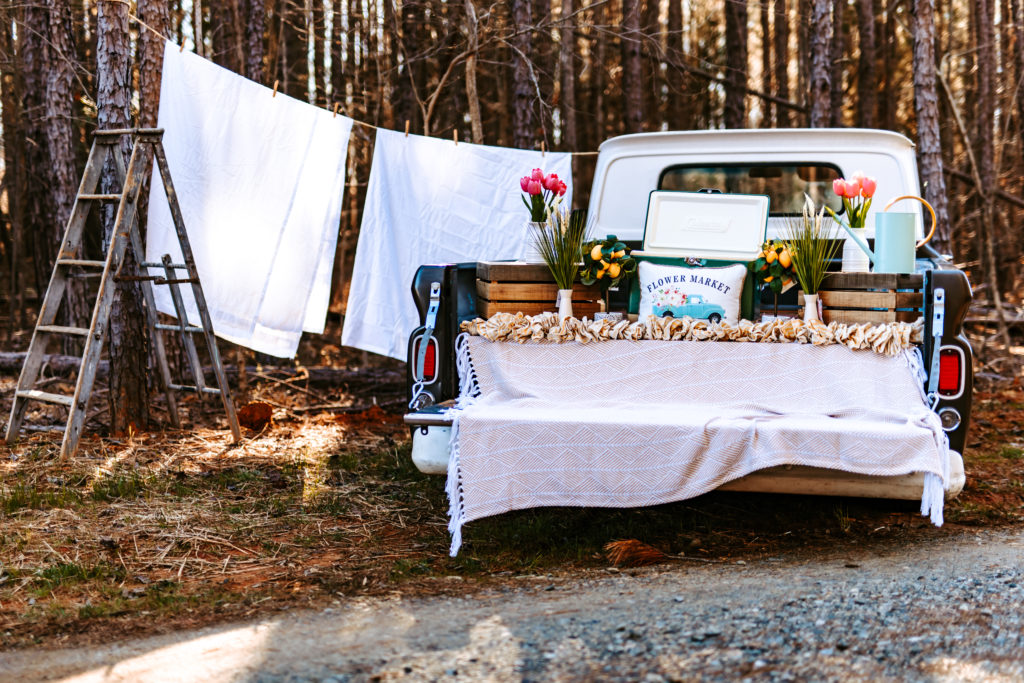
{"type": "Point", "coordinates": [870, 297]}
{"type": "Point", "coordinates": [509, 287]}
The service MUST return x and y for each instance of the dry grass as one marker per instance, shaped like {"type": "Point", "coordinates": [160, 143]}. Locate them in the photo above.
{"type": "Point", "coordinates": [171, 529]}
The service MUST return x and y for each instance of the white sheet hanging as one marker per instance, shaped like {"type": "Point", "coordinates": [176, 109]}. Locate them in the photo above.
{"type": "Point", "coordinates": [259, 180]}
{"type": "Point", "coordinates": [432, 201]}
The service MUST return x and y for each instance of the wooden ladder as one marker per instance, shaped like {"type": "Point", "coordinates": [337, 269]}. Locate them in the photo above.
{"type": "Point", "coordinates": [106, 144]}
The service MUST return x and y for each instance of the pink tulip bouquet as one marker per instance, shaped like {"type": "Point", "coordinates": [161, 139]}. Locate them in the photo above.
{"type": "Point", "coordinates": [856, 193]}
{"type": "Point", "coordinates": [543, 192]}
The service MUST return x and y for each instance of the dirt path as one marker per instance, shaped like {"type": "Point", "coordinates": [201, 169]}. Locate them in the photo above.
{"type": "Point", "coordinates": [947, 609]}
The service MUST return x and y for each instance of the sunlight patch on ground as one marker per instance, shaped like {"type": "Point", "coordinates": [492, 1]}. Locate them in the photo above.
{"type": "Point", "coordinates": [223, 656]}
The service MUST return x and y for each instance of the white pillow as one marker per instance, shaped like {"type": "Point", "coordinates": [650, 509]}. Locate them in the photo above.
{"type": "Point", "coordinates": [702, 293]}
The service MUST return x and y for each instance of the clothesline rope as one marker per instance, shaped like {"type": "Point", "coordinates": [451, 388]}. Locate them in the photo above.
{"type": "Point", "coordinates": [356, 121]}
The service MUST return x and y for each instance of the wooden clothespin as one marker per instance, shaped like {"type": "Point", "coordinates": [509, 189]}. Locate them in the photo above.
{"type": "Point", "coordinates": [455, 136]}
{"type": "Point", "coordinates": [543, 150]}
{"type": "Point", "coordinates": [276, 83]}
{"type": "Point", "coordinates": [407, 128]}
{"type": "Point", "coordinates": [336, 105]}
{"type": "Point", "coordinates": [182, 46]}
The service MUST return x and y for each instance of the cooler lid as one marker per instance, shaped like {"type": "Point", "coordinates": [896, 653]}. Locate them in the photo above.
{"type": "Point", "coordinates": [705, 225]}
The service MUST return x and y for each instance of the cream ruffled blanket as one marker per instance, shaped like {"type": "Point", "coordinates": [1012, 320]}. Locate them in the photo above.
{"type": "Point", "coordinates": [890, 339]}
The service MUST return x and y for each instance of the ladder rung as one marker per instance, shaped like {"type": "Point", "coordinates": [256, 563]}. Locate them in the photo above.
{"type": "Point", "coordinates": [80, 262]}
{"type": "Point", "coordinates": [189, 387]}
{"type": "Point", "coordinates": [151, 264]}
{"type": "Point", "coordinates": [44, 428]}
{"type": "Point", "coordinates": [36, 395]}
{"type": "Point", "coordinates": [177, 328]}
{"type": "Point", "coordinates": [101, 197]}
{"type": "Point", "coordinates": [60, 329]}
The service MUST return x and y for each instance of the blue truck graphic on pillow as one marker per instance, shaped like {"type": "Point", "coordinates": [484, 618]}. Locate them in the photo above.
{"type": "Point", "coordinates": [693, 306]}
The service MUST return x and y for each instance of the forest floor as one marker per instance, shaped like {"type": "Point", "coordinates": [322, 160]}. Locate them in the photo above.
{"type": "Point", "coordinates": [167, 530]}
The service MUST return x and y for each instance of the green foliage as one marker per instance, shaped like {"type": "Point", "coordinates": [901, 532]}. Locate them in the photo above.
{"type": "Point", "coordinates": [811, 241]}
{"type": "Point", "coordinates": [768, 268]}
{"type": "Point", "coordinates": [560, 241]}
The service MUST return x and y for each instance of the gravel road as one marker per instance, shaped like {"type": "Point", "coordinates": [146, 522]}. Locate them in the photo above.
{"type": "Point", "coordinates": [949, 608]}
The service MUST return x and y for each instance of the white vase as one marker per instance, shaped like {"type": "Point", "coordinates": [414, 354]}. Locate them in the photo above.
{"type": "Point", "coordinates": [564, 304]}
{"type": "Point", "coordinates": [854, 258]}
{"type": "Point", "coordinates": [811, 308]}
{"type": "Point", "coordinates": [533, 254]}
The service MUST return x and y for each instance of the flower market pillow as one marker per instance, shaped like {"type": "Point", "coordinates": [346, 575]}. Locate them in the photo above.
{"type": "Point", "coordinates": [711, 294]}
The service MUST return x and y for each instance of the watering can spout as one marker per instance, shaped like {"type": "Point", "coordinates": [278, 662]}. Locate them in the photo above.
{"type": "Point", "coordinates": [860, 242]}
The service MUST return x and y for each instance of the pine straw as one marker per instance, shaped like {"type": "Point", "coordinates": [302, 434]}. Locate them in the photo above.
{"type": "Point", "coordinates": [178, 528]}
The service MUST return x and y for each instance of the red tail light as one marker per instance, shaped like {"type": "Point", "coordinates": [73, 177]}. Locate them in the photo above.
{"type": "Point", "coordinates": [951, 372]}
{"type": "Point", "coordinates": [429, 361]}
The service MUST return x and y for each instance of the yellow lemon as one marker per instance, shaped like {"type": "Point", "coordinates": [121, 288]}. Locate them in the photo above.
{"type": "Point", "coordinates": [595, 253]}
{"type": "Point", "coordinates": [785, 260]}
{"type": "Point", "coordinates": [771, 256]}
{"type": "Point", "coordinates": [619, 254]}
{"type": "Point", "coordinates": [600, 274]}
{"type": "Point", "coordinates": [613, 270]}
{"type": "Point", "coordinates": [604, 265]}
{"type": "Point", "coordinates": [769, 278]}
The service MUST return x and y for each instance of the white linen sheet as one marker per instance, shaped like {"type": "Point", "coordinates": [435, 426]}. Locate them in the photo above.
{"type": "Point", "coordinates": [260, 180]}
{"type": "Point", "coordinates": [627, 424]}
{"type": "Point", "coordinates": [432, 201]}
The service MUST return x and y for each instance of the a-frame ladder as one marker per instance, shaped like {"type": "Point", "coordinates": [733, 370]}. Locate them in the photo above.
{"type": "Point", "coordinates": [106, 144]}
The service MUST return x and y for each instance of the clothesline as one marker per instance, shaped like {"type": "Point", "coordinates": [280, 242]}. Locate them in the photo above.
{"type": "Point", "coordinates": [365, 124]}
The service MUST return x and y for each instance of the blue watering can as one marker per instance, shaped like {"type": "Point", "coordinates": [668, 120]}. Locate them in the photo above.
{"type": "Point", "coordinates": [895, 239]}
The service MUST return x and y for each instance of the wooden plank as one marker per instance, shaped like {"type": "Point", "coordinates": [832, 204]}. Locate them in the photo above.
{"type": "Point", "coordinates": [511, 271]}
{"type": "Point", "coordinates": [485, 309]}
{"type": "Point", "coordinates": [872, 281]}
{"type": "Point", "coordinates": [840, 299]}
{"type": "Point", "coordinates": [532, 291]}
{"type": "Point", "coordinates": [873, 317]}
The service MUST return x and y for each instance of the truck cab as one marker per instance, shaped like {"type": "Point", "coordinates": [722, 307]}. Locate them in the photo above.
{"type": "Point", "coordinates": [787, 166]}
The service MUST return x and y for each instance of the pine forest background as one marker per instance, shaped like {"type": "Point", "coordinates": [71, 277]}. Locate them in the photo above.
{"type": "Point", "coordinates": [563, 74]}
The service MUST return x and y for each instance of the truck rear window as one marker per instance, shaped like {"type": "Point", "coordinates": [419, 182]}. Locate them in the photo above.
{"type": "Point", "coordinates": [785, 184]}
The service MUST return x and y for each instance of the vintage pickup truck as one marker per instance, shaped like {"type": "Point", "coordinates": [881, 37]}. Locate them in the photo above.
{"type": "Point", "coordinates": [785, 165]}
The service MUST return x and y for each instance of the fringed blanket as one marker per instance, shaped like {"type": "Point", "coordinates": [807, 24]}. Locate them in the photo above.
{"type": "Point", "coordinates": [628, 424]}
{"type": "Point", "coordinates": [891, 339]}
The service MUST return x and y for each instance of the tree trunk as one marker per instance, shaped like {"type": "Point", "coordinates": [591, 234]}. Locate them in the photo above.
{"type": "Point", "coordinates": [319, 29]}
{"type": "Point", "coordinates": [736, 63]}
{"type": "Point", "coordinates": [295, 48]}
{"type": "Point", "coordinates": [255, 21]}
{"type": "Point", "coordinates": [567, 65]}
{"type": "Point", "coordinates": [837, 67]}
{"type": "Point", "coordinates": [60, 134]}
{"type": "Point", "coordinates": [129, 396]}
{"type": "Point", "coordinates": [472, 97]}
{"type": "Point", "coordinates": [338, 93]}
{"type": "Point", "coordinates": [676, 114]}
{"type": "Point", "coordinates": [33, 52]}
{"type": "Point", "coordinates": [926, 107]}
{"type": "Point", "coordinates": [11, 88]}
{"type": "Point", "coordinates": [867, 84]}
{"type": "Point", "coordinates": [522, 85]}
{"type": "Point", "coordinates": [985, 124]}
{"type": "Point", "coordinates": [766, 63]}
{"type": "Point", "coordinates": [821, 77]}
{"type": "Point", "coordinates": [632, 67]}
{"type": "Point", "coordinates": [783, 116]}
{"type": "Point", "coordinates": [598, 74]}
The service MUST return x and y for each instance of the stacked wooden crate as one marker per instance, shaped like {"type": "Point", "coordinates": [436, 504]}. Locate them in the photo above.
{"type": "Point", "coordinates": [871, 297]}
{"type": "Point", "coordinates": [510, 287]}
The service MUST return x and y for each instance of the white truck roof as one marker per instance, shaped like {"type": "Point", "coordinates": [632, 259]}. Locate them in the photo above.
{"type": "Point", "coordinates": [629, 167]}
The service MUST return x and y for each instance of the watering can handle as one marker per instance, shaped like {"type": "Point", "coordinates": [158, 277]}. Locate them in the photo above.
{"type": "Point", "coordinates": [928, 206]}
